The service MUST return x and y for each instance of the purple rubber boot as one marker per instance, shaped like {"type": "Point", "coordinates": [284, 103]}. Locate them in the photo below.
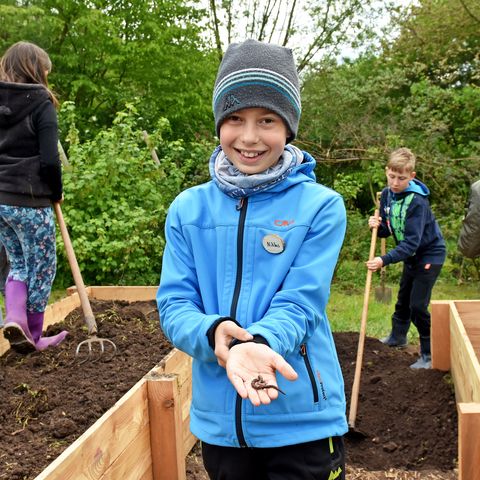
{"type": "Point", "coordinates": [35, 322]}
{"type": "Point", "coordinates": [16, 329]}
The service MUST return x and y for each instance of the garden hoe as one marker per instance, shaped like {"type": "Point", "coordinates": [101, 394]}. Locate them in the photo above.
{"type": "Point", "coordinates": [353, 432]}
{"type": "Point", "coordinates": [383, 294]}
{"type": "Point", "coordinates": [104, 343]}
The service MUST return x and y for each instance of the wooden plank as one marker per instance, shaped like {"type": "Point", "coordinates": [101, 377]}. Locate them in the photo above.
{"type": "Point", "coordinates": [189, 440]}
{"type": "Point", "coordinates": [180, 363]}
{"type": "Point", "coordinates": [134, 462]}
{"type": "Point", "coordinates": [468, 441]}
{"type": "Point", "coordinates": [126, 293]}
{"type": "Point", "coordinates": [464, 363]}
{"type": "Point", "coordinates": [173, 362]}
{"type": "Point", "coordinates": [166, 432]}
{"type": "Point", "coordinates": [147, 475]}
{"type": "Point", "coordinates": [468, 308]}
{"type": "Point", "coordinates": [56, 312]}
{"type": "Point", "coordinates": [186, 397]}
{"type": "Point", "coordinates": [89, 457]}
{"type": "Point", "coordinates": [73, 289]}
{"type": "Point", "coordinates": [440, 335]}
{"type": "Point", "coordinates": [469, 312]}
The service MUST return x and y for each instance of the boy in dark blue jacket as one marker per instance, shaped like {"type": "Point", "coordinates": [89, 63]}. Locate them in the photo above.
{"type": "Point", "coordinates": [405, 213]}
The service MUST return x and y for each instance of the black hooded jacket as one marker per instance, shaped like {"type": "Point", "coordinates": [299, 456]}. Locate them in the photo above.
{"type": "Point", "coordinates": [30, 171]}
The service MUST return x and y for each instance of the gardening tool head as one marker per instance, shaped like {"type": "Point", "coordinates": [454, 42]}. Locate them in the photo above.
{"type": "Point", "coordinates": [94, 348]}
{"type": "Point", "coordinates": [383, 294]}
{"type": "Point", "coordinates": [355, 434]}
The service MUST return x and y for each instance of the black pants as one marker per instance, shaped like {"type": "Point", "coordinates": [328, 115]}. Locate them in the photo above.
{"type": "Point", "coordinates": [318, 460]}
{"type": "Point", "coordinates": [413, 299]}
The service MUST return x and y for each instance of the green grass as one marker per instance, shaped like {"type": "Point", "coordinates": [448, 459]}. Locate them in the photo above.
{"type": "Point", "coordinates": [345, 307]}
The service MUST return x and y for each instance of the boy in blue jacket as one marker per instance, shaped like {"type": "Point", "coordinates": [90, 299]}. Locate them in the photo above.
{"type": "Point", "coordinates": [405, 213]}
{"type": "Point", "coordinates": [245, 282]}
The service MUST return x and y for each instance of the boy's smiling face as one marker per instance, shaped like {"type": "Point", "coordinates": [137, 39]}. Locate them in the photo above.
{"type": "Point", "coordinates": [398, 181]}
{"type": "Point", "coordinates": [253, 139]}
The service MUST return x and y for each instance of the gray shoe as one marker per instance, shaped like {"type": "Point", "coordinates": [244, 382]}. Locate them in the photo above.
{"type": "Point", "coordinates": [392, 341]}
{"type": "Point", "coordinates": [425, 361]}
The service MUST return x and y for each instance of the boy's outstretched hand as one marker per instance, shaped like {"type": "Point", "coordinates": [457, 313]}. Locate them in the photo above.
{"type": "Point", "coordinates": [247, 361]}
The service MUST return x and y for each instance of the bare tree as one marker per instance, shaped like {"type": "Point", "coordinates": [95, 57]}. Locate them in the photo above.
{"type": "Point", "coordinates": [288, 29]}
{"type": "Point", "coordinates": [310, 27]}
{"type": "Point", "coordinates": [469, 12]}
{"type": "Point", "coordinates": [216, 28]}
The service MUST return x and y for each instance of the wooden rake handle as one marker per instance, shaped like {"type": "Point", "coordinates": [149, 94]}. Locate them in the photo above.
{"type": "Point", "coordinates": [363, 328]}
{"type": "Point", "coordinates": [77, 276]}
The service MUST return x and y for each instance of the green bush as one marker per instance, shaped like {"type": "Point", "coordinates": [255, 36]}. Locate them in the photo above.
{"type": "Point", "coordinates": [117, 196]}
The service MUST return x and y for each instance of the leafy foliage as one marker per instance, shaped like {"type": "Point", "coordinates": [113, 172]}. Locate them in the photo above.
{"type": "Point", "coordinates": [439, 41]}
{"type": "Point", "coordinates": [105, 54]}
{"type": "Point", "coordinates": [116, 198]}
{"type": "Point", "coordinates": [422, 92]}
{"type": "Point", "coordinates": [419, 87]}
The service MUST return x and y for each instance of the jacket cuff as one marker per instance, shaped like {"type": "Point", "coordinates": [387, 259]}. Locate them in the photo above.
{"type": "Point", "coordinates": [211, 331]}
{"type": "Point", "coordinates": [255, 339]}
{"type": "Point", "coordinates": [386, 260]}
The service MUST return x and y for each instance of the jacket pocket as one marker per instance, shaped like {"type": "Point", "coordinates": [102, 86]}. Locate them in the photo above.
{"type": "Point", "coordinates": [311, 375]}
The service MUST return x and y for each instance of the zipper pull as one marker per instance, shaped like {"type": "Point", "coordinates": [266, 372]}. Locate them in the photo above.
{"type": "Point", "coordinates": [240, 204]}
{"type": "Point", "coordinates": [303, 350]}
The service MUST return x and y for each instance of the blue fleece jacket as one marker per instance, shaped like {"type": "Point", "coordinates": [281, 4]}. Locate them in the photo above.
{"type": "Point", "coordinates": [418, 237]}
{"type": "Point", "coordinates": [215, 265]}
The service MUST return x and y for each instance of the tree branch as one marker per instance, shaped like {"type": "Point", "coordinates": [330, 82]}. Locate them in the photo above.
{"type": "Point", "coordinates": [289, 24]}
{"type": "Point", "coordinates": [216, 29]}
{"type": "Point", "coordinates": [469, 12]}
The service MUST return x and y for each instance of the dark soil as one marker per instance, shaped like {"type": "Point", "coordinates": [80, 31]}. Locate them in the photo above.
{"type": "Point", "coordinates": [48, 399]}
{"type": "Point", "coordinates": [409, 416]}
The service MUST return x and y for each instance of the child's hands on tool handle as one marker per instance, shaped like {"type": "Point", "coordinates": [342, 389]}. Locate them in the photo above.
{"type": "Point", "coordinates": [374, 222]}
{"type": "Point", "coordinates": [375, 263]}
{"type": "Point", "coordinates": [247, 361]}
{"type": "Point", "coordinates": [224, 334]}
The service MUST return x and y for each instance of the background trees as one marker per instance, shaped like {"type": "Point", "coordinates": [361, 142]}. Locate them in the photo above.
{"type": "Point", "coordinates": [375, 75]}
{"type": "Point", "coordinates": [107, 53]}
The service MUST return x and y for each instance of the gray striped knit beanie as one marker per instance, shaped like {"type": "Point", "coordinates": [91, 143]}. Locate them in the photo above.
{"type": "Point", "coordinates": [258, 75]}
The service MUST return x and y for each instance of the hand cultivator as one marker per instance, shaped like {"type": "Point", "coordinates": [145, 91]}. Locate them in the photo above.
{"type": "Point", "coordinates": [104, 344]}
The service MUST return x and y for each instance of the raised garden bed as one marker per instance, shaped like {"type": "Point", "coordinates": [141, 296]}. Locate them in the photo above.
{"type": "Point", "coordinates": [409, 417]}
{"type": "Point", "coordinates": [456, 347]}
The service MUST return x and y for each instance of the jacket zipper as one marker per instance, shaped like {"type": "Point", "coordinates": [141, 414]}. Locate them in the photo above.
{"type": "Point", "coordinates": [303, 353]}
{"type": "Point", "coordinates": [242, 207]}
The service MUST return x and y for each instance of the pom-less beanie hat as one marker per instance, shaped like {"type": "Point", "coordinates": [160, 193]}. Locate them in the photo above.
{"type": "Point", "coordinates": [254, 74]}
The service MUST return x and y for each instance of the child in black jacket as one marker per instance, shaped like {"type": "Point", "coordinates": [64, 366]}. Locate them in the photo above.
{"type": "Point", "coordinates": [30, 181]}
{"type": "Point", "coordinates": [405, 213]}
